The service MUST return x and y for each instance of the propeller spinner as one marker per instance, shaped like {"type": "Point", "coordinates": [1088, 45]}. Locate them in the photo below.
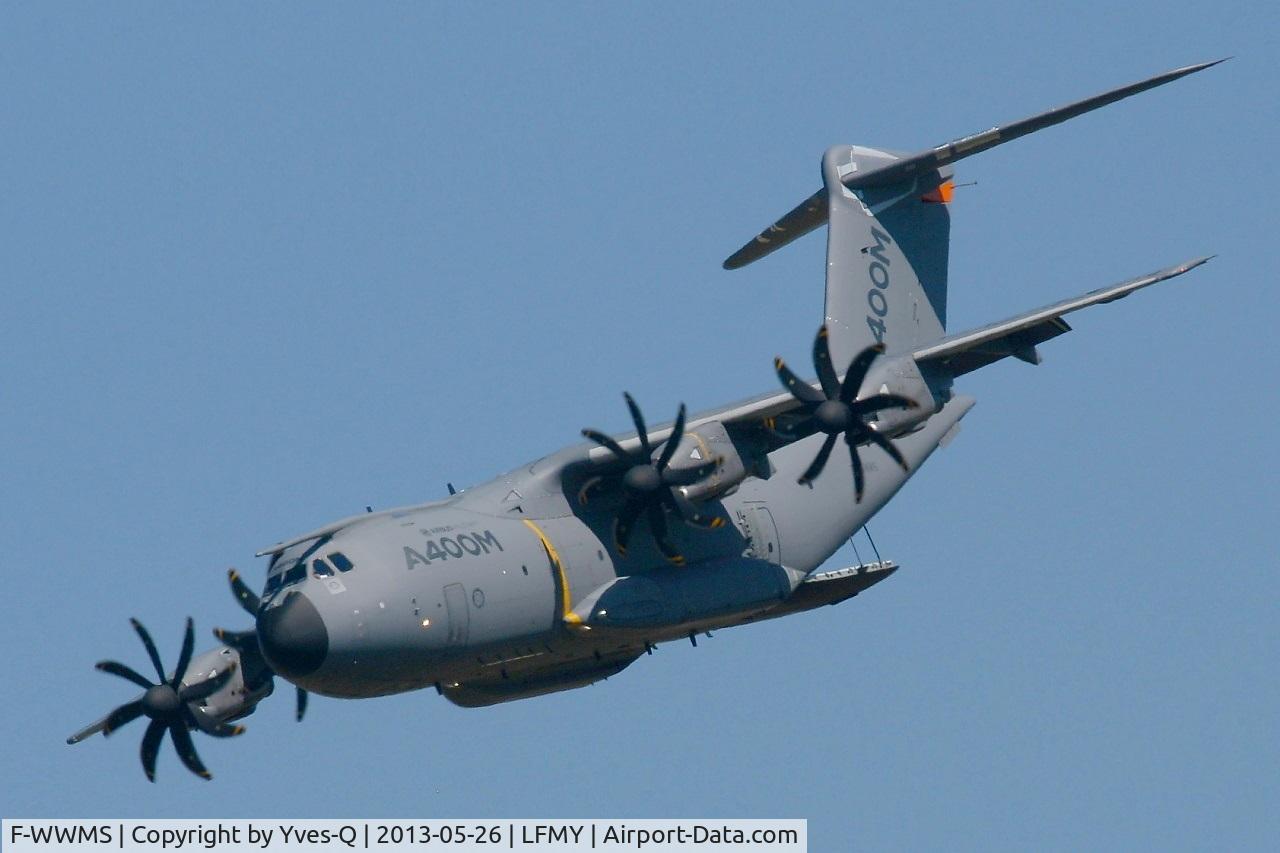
{"type": "Point", "coordinates": [650, 485]}
{"type": "Point", "coordinates": [836, 411]}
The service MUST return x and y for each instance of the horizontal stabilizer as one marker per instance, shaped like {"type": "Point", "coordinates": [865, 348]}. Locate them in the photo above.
{"type": "Point", "coordinates": [812, 212]}
{"type": "Point", "coordinates": [1018, 336]}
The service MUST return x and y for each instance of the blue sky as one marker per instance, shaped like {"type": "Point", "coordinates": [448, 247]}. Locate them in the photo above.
{"type": "Point", "coordinates": [265, 267]}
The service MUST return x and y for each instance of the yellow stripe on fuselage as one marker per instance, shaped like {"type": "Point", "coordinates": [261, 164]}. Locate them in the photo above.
{"type": "Point", "coordinates": [566, 601]}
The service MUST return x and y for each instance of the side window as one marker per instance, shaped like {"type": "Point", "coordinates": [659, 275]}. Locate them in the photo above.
{"type": "Point", "coordinates": [321, 569]}
{"type": "Point", "coordinates": [341, 562]}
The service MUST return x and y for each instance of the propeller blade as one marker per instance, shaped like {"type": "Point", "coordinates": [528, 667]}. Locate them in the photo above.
{"type": "Point", "coordinates": [208, 687]}
{"type": "Point", "coordinates": [88, 731]}
{"type": "Point", "coordinates": [638, 420]}
{"type": "Point", "coordinates": [125, 672]}
{"type": "Point", "coordinates": [859, 481]}
{"type": "Point", "coordinates": [799, 389]}
{"type": "Point", "coordinates": [857, 372]}
{"type": "Point", "coordinates": [658, 527]}
{"type": "Point", "coordinates": [819, 462]}
{"type": "Point", "coordinates": [184, 657]}
{"type": "Point", "coordinates": [151, 747]}
{"type": "Point", "coordinates": [151, 649]}
{"type": "Point", "coordinates": [888, 447]}
{"type": "Point", "coordinates": [120, 716]}
{"type": "Point", "coordinates": [239, 640]}
{"type": "Point", "coordinates": [607, 441]}
{"type": "Point", "coordinates": [302, 704]}
{"type": "Point", "coordinates": [784, 430]}
{"type": "Point", "coordinates": [247, 598]}
{"type": "Point", "coordinates": [624, 522]}
{"type": "Point", "coordinates": [673, 441]}
{"type": "Point", "coordinates": [187, 750]}
{"type": "Point", "coordinates": [690, 475]}
{"type": "Point", "coordinates": [882, 401]}
{"type": "Point", "coordinates": [822, 363]}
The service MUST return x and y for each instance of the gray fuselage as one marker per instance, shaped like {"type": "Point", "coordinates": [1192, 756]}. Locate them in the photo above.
{"type": "Point", "coordinates": [510, 589]}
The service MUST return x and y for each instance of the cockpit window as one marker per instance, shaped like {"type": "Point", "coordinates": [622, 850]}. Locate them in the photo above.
{"type": "Point", "coordinates": [289, 566]}
{"type": "Point", "coordinates": [321, 569]}
{"type": "Point", "coordinates": [295, 574]}
{"type": "Point", "coordinates": [341, 562]}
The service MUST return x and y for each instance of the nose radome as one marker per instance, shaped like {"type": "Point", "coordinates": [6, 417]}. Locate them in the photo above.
{"type": "Point", "coordinates": [293, 637]}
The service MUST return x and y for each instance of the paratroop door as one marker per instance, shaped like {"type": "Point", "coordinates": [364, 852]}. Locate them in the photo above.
{"type": "Point", "coordinates": [455, 602]}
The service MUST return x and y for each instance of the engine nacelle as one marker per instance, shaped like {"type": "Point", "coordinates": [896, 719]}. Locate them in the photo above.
{"type": "Point", "coordinates": [249, 684]}
{"type": "Point", "coordinates": [709, 441]}
{"type": "Point", "coordinates": [901, 376]}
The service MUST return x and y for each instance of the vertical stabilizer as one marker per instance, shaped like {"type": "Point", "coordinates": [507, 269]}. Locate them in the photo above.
{"type": "Point", "coordinates": [887, 253]}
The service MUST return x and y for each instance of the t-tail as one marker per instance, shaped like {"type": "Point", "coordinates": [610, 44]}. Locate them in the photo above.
{"type": "Point", "coordinates": [887, 248]}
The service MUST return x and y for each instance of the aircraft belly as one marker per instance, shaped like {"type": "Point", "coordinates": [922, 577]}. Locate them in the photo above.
{"type": "Point", "coordinates": [511, 684]}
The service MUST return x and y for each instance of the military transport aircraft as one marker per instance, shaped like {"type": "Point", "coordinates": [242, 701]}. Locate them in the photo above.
{"type": "Point", "coordinates": [565, 571]}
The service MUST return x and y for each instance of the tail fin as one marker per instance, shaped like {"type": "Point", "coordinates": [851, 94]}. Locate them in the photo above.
{"type": "Point", "coordinates": [877, 205]}
{"type": "Point", "coordinates": [887, 251]}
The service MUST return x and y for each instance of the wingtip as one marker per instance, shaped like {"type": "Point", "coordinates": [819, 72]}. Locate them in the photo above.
{"type": "Point", "coordinates": [1195, 262]}
{"type": "Point", "coordinates": [1199, 66]}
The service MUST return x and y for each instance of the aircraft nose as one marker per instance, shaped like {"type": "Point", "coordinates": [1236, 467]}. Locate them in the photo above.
{"type": "Point", "coordinates": [293, 636]}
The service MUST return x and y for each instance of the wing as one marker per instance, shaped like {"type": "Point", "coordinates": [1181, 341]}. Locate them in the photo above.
{"type": "Point", "coordinates": [755, 418]}
{"type": "Point", "coordinates": [763, 420]}
{"type": "Point", "coordinates": [1018, 336]}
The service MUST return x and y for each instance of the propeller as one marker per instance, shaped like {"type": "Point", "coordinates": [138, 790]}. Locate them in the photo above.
{"type": "Point", "coordinates": [835, 410]}
{"type": "Point", "coordinates": [246, 642]}
{"type": "Point", "coordinates": [649, 485]}
{"type": "Point", "coordinates": [167, 704]}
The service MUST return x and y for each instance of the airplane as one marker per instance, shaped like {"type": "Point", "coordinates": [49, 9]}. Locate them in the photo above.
{"type": "Point", "coordinates": [565, 571]}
